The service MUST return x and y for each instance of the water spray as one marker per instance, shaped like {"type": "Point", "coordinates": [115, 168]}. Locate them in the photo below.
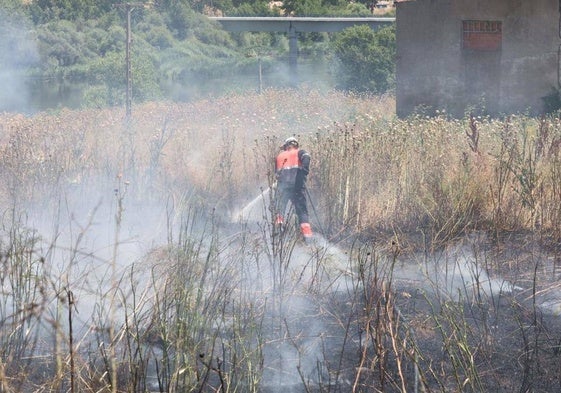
{"type": "Point", "coordinates": [246, 212]}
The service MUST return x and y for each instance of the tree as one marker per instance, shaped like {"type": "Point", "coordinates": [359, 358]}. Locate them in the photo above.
{"type": "Point", "coordinates": [257, 8]}
{"type": "Point", "coordinates": [62, 45]}
{"type": "Point", "coordinates": [44, 11]}
{"type": "Point", "coordinates": [303, 7]}
{"type": "Point", "coordinates": [366, 59]}
{"type": "Point", "coordinates": [179, 17]}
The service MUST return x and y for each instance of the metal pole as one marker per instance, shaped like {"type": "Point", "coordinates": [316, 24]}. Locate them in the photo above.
{"type": "Point", "coordinates": [293, 54]}
{"type": "Point", "coordinates": [260, 75]}
{"type": "Point", "coordinates": [129, 66]}
{"type": "Point", "coordinates": [129, 7]}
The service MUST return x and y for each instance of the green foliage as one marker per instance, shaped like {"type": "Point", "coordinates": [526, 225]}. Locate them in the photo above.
{"type": "Point", "coordinates": [303, 7]}
{"type": "Point", "coordinates": [111, 40]}
{"type": "Point", "coordinates": [184, 23]}
{"type": "Point", "coordinates": [96, 96]}
{"type": "Point", "coordinates": [107, 78]}
{"type": "Point", "coordinates": [44, 11]}
{"type": "Point", "coordinates": [259, 8]}
{"type": "Point", "coordinates": [155, 31]}
{"type": "Point", "coordinates": [356, 9]}
{"type": "Point", "coordinates": [335, 3]}
{"type": "Point", "coordinates": [192, 59]}
{"type": "Point", "coordinates": [146, 84]}
{"type": "Point", "coordinates": [61, 44]}
{"type": "Point", "coordinates": [207, 32]}
{"type": "Point", "coordinates": [224, 5]}
{"type": "Point", "coordinates": [13, 8]}
{"type": "Point", "coordinates": [325, 8]}
{"type": "Point", "coordinates": [166, 44]}
{"type": "Point", "coordinates": [366, 59]}
{"type": "Point", "coordinates": [109, 71]}
{"type": "Point", "coordinates": [85, 40]}
{"type": "Point", "coordinates": [178, 17]}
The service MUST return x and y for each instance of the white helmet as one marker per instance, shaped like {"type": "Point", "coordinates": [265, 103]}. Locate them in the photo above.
{"type": "Point", "coordinates": [290, 142]}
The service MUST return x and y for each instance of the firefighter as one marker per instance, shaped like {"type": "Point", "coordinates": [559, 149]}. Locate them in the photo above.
{"type": "Point", "coordinates": [291, 168]}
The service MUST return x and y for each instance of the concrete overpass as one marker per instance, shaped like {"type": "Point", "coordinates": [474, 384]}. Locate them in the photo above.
{"type": "Point", "coordinates": [294, 25]}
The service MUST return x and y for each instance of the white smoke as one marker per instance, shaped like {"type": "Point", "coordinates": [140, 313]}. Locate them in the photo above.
{"type": "Point", "coordinates": [18, 51]}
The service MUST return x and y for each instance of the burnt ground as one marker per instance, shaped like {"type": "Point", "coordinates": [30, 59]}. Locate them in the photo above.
{"type": "Point", "coordinates": [475, 317]}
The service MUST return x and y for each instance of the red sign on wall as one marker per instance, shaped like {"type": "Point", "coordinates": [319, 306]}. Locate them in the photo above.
{"type": "Point", "coordinates": [485, 35]}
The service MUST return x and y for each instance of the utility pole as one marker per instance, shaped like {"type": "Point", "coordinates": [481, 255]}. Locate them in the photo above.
{"type": "Point", "coordinates": [129, 7]}
{"type": "Point", "coordinates": [293, 54]}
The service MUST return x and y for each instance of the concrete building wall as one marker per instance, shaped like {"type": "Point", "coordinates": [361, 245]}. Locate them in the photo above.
{"type": "Point", "coordinates": [436, 72]}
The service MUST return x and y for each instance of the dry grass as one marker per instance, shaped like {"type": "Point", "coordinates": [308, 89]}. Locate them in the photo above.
{"type": "Point", "coordinates": [371, 172]}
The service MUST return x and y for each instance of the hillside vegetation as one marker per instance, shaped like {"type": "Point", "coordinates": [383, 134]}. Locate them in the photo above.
{"type": "Point", "coordinates": [173, 43]}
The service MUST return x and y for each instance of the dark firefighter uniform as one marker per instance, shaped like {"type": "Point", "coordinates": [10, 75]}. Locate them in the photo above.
{"type": "Point", "coordinates": [292, 167]}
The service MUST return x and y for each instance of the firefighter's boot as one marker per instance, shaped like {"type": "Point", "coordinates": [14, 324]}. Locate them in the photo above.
{"type": "Point", "coordinates": [306, 230]}
{"type": "Point", "coordinates": [279, 222]}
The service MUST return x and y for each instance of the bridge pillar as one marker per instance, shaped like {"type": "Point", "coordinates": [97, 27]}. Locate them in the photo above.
{"type": "Point", "coordinates": [293, 54]}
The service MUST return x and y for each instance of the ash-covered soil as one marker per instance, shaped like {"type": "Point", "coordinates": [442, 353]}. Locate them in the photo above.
{"type": "Point", "coordinates": [477, 316]}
